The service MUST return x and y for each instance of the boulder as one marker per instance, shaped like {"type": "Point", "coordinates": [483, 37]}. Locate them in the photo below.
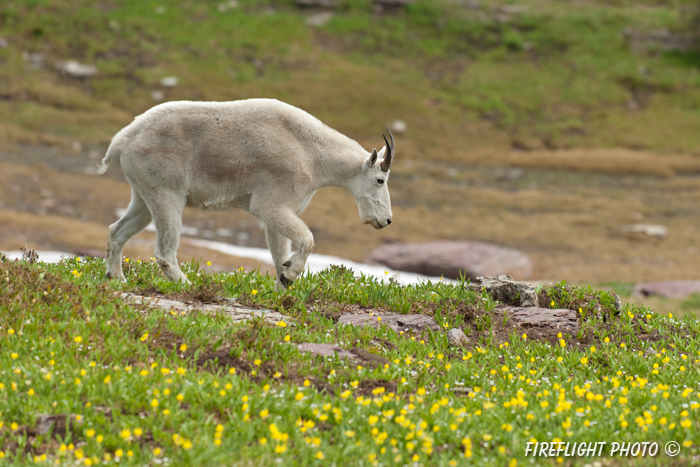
{"type": "Point", "coordinates": [668, 289]}
{"type": "Point", "coordinates": [506, 290]}
{"type": "Point", "coordinates": [450, 259]}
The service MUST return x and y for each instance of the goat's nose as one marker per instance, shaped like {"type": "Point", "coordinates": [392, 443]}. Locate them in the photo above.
{"type": "Point", "coordinates": [388, 221]}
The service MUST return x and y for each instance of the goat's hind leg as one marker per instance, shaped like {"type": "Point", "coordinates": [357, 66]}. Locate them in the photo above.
{"type": "Point", "coordinates": [167, 210]}
{"type": "Point", "coordinates": [136, 218]}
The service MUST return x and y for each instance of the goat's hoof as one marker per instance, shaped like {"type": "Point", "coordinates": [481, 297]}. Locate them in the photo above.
{"type": "Point", "coordinates": [285, 282]}
{"type": "Point", "coordinates": [108, 275]}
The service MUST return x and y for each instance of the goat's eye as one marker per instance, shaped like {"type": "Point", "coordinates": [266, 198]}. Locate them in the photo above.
{"type": "Point", "coordinates": [380, 181]}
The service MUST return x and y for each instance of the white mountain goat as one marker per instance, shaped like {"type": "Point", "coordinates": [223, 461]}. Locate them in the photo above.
{"type": "Point", "coordinates": [261, 155]}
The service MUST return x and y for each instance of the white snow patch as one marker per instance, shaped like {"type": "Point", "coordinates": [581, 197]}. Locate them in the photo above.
{"type": "Point", "coordinates": [44, 256]}
{"type": "Point", "coordinates": [317, 263]}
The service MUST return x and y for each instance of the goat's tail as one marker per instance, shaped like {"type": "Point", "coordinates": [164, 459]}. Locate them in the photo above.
{"type": "Point", "coordinates": [112, 152]}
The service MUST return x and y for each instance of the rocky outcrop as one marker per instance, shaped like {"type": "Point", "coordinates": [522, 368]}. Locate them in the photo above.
{"type": "Point", "coordinates": [506, 290]}
{"type": "Point", "coordinates": [232, 310]}
{"type": "Point", "coordinates": [452, 259]}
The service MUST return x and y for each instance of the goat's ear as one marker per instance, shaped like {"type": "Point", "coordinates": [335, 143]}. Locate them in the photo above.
{"type": "Point", "coordinates": [381, 152]}
{"type": "Point", "coordinates": [373, 158]}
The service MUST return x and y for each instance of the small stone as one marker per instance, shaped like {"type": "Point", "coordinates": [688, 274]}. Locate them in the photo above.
{"type": "Point", "coordinates": [398, 127]}
{"type": "Point", "coordinates": [652, 230]}
{"type": "Point", "coordinates": [222, 232]}
{"type": "Point", "coordinates": [169, 81]}
{"type": "Point", "coordinates": [456, 336]}
{"type": "Point", "coordinates": [158, 96]}
{"type": "Point", "coordinates": [325, 350]}
{"type": "Point", "coordinates": [319, 19]}
{"type": "Point", "coordinates": [75, 69]}
{"type": "Point", "coordinates": [395, 321]}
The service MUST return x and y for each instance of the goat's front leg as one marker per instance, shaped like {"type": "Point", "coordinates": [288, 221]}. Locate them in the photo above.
{"type": "Point", "coordinates": [286, 224]}
{"type": "Point", "coordinates": [280, 248]}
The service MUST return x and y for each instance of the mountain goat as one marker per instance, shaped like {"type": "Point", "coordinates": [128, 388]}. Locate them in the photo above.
{"type": "Point", "coordinates": [261, 155]}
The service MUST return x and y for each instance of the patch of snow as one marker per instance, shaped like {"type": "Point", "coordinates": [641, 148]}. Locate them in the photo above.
{"type": "Point", "coordinates": [44, 256]}
{"type": "Point", "coordinates": [317, 262]}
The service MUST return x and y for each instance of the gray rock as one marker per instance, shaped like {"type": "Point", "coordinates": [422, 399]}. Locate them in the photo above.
{"type": "Point", "coordinates": [668, 289]}
{"type": "Point", "coordinates": [450, 259]}
{"type": "Point", "coordinates": [395, 321]}
{"type": "Point", "coordinates": [75, 69]}
{"type": "Point", "coordinates": [456, 337]}
{"type": "Point", "coordinates": [231, 309]}
{"type": "Point", "coordinates": [560, 319]}
{"type": "Point", "coordinates": [506, 290]}
{"type": "Point", "coordinates": [325, 350]}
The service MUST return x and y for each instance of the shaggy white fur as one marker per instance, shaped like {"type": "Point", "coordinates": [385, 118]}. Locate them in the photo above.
{"type": "Point", "coordinates": [261, 155]}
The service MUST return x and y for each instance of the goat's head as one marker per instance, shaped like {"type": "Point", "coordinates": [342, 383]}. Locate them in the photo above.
{"type": "Point", "coordinates": [370, 189]}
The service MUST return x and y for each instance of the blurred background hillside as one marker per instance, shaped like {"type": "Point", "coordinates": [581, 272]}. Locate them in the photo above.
{"type": "Point", "coordinates": [546, 126]}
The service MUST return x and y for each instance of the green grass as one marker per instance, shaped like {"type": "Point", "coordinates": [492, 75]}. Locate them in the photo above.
{"type": "Point", "coordinates": [549, 74]}
{"type": "Point", "coordinates": [151, 387]}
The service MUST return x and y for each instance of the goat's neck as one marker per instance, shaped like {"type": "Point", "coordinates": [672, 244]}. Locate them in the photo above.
{"type": "Point", "coordinates": [339, 169]}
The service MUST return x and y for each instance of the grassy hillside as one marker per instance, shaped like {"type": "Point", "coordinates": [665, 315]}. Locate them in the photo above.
{"type": "Point", "coordinates": [544, 126]}
{"type": "Point", "coordinates": [464, 75]}
{"type": "Point", "coordinates": [128, 385]}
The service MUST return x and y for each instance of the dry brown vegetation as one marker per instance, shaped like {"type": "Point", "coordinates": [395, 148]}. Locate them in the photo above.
{"type": "Point", "coordinates": [569, 222]}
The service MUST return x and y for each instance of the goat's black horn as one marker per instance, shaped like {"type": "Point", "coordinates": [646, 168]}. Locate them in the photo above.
{"type": "Point", "coordinates": [389, 155]}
